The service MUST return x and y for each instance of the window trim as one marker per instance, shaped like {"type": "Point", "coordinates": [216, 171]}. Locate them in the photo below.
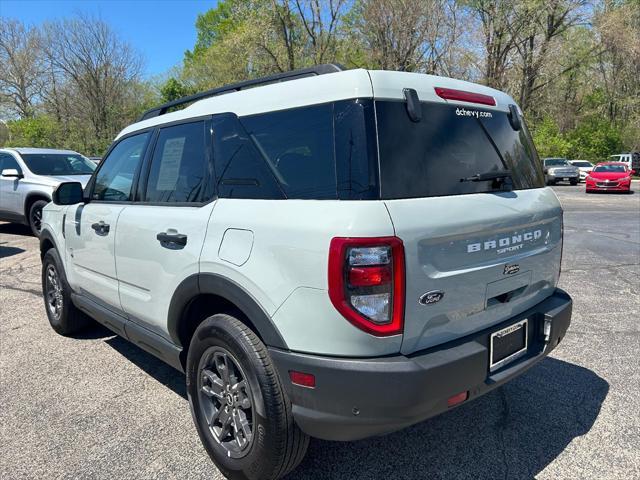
{"type": "Point", "coordinates": [148, 158]}
{"type": "Point", "coordinates": [89, 189]}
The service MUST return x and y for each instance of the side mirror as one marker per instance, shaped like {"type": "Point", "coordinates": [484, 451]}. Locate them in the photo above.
{"type": "Point", "coordinates": [68, 193]}
{"type": "Point", "coordinates": [632, 172]}
{"type": "Point", "coordinates": [589, 171]}
{"type": "Point", "coordinates": [11, 173]}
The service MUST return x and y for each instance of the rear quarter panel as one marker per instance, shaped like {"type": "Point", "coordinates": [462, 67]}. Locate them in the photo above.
{"type": "Point", "coordinates": [286, 269]}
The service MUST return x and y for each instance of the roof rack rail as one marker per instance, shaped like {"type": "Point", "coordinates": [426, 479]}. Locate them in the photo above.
{"type": "Point", "coordinates": [235, 87]}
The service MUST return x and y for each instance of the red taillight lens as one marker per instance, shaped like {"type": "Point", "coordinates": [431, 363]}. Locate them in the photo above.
{"type": "Point", "coordinates": [452, 94]}
{"type": "Point", "coordinates": [369, 276]}
{"type": "Point", "coordinates": [366, 282]}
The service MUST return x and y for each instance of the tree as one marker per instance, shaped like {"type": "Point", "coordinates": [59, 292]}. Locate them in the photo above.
{"type": "Point", "coordinates": [406, 35]}
{"type": "Point", "coordinates": [98, 69]}
{"type": "Point", "coordinates": [21, 67]}
{"type": "Point", "coordinates": [543, 22]}
{"type": "Point", "coordinates": [173, 89]}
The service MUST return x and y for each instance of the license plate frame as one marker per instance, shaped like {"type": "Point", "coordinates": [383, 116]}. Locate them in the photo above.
{"type": "Point", "coordinates": [510, 330]}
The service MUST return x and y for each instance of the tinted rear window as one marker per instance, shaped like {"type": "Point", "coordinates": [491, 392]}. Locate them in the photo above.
{"type": "Point", "coordinates": [319, 152]}
{"type": "Point", "coordinates": [430, 157]}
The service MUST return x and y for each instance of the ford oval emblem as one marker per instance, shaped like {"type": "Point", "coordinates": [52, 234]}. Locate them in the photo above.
{"type": "Point", "coordinates": [431, 297]}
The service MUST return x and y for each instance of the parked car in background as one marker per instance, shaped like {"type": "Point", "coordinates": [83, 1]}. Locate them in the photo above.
{"type": "Point", "coordinates": [560, 170]}
{"type": "Point", "coordinates": [584, 167]}
{"type": "Point", "coordinates": [29, 175]}
{"type": "Point", "coordinates": [631, 160]}
{"type": "Point", "coordinates": [610, 176]}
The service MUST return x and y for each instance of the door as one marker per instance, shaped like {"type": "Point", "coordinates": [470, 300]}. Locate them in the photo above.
{"type": "Point", "coordinates": [10, 191]}
{"type": "Point", "coordinates": [159, 239]}
{"type": "Point", "coordinates": [91, 228]}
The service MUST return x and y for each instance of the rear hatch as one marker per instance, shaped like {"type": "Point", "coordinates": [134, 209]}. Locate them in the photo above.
{"type": "Point", "coordinates": [482, 237]}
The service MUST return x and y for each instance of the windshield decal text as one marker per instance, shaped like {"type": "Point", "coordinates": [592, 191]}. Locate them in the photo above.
{"type": "Point", "coordinates": [463, 112]}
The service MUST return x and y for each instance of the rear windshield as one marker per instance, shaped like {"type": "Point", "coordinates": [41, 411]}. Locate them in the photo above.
{"type": "Point", "coordinates": [441, 153]}
{"type": "Point", "coordinates": [58, 164]}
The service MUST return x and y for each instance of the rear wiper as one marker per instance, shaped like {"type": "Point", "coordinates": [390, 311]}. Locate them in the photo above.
{"type": "Point", "coordinates": [482, 177]}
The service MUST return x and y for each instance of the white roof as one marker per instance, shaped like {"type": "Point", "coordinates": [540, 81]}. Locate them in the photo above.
{"type": "Point", "coordinates": [325, 88]}
{"type": "Point", "coordinates": [27, 151]}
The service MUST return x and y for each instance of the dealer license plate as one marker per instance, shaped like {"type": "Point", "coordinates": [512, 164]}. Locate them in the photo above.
{"type": "Point", "coordinates": [507, 345]}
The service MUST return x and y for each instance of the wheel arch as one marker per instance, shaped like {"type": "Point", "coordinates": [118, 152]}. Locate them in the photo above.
{"type": "Point", "coordinates": [47, 242]}
{"type": "Point", "coordinates": [31, 198]}
{"type": "Point", "coordinates": [202, 295]}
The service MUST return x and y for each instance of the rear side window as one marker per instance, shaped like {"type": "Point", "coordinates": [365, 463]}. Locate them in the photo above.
{"type": "Point", "coordinates": [180, 166]}
{"type": "Point", "coordinates": [114, 180]}
{"type": "Point", "coordinates": [451, 143]}
{"type": "Point", "coordinates": [298, 145]}
{"type": "Point", "coordinates": [241, 169]}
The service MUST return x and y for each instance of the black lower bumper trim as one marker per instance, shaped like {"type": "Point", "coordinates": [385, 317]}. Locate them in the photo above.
{"type": "Point", "coordinates": [358, 398]}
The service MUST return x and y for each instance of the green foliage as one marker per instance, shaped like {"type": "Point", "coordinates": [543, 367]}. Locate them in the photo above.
{"type": "Point", "coordinates": [594, 139]}
{"type": "Point", "coordinates": [212, 25]}
{"type": "Point", "coordinates": [549, 141]}
{"type": "Point", "coordinates": [173, 89]}
{"type": "Point", "coordinates": [41, 131]}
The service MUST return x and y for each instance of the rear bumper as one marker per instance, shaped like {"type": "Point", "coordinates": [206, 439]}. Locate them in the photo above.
{"type": "Point", "coordinates": [359, 398]}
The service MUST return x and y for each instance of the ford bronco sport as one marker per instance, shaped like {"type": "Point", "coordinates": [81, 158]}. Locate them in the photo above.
{"type": "Point", "coordinates": [326, 253]}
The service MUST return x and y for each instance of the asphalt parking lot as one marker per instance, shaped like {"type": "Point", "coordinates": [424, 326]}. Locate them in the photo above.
{"type": "Point", "coordinates": [97, 407]}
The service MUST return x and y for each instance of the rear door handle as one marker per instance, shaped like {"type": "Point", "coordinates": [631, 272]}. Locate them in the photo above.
{"type": "Point", "coordinates": [101, 228]}
{"type": "Point", "coordinates": [172, 239]}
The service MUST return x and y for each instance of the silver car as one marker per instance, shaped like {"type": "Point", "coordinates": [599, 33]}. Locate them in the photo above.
{"type": "Point", "coordinates": [560, 170]}
{"type": "Point", "coordinates": [28, 177]}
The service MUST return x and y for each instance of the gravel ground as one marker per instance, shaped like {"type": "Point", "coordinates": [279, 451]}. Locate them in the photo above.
{"type": "Point", "coordinates": [97, 407]}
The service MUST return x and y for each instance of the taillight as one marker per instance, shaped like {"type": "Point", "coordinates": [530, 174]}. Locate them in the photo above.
{"type": "Point", "coordinates": [366, 282]}
{"type": "Point", "coordinates": [452, 94]}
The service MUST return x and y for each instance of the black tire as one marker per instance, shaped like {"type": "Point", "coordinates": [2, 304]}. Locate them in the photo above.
{"type": "Point", "coordinates": [551, 182]}
{"type": "Point", "coordinates": [35, 216]}
{"type": "Point", "coordinates": [276, 445]}
{"type": "Point", "coordinates": [573, 182]}
{"type": "Point", "coordinates": [69, 319]}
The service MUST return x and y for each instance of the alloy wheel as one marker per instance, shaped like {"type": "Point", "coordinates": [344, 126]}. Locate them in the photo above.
{"type": "Point", "coordinates": [225, 401]}
{"type": "Point", "coordinates": [54, 292]}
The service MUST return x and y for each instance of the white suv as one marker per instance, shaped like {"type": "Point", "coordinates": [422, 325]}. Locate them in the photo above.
{"type": "Point", "coordinates": [328, 253]}
{"type": "Point", "coordinates": [29, 175]}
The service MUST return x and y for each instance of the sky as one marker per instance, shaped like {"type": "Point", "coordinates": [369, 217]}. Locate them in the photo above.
{"type": "Point", "coordinates": [161, 30]}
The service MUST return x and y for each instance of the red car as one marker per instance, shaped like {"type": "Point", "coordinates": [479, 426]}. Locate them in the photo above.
{"type": "Point", "coordinates": [609, 176]}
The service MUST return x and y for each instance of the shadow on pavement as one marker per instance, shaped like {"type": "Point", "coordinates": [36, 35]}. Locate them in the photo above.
{"type": "Point", "coordinates": [513, 432]}
{"type": "Point", "coordinates": [168, 376]}
{"type": "Point", "coordinates": [9, 251]}
{"type": "Point", "coordinates": [16, 229]}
